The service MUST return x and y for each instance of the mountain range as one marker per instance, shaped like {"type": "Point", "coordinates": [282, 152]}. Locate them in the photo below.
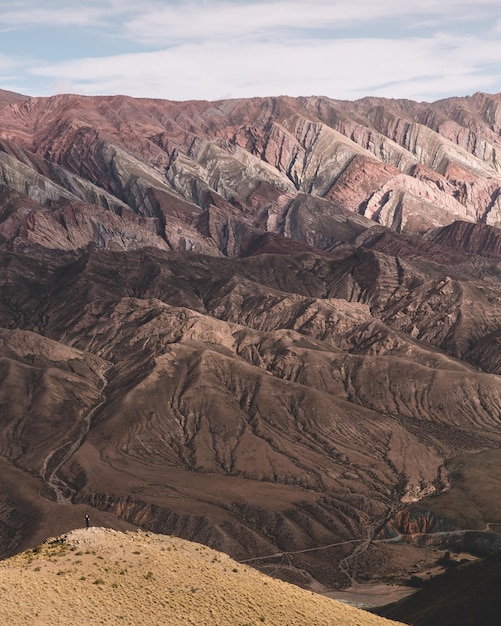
{"type": "Point", "coordinates": [268, 325]}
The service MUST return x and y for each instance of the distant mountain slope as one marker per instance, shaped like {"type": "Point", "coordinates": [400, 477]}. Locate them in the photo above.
{"type": "Point", "coordinates": [9, 97]}
{"type": "Point", "coordinates": [247, 164]}
{"type": "Point", "coordinates": [269, 325]}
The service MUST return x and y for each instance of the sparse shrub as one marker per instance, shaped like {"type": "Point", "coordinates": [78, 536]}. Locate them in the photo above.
{"type": "Point", "coordinates": [98, 581]}
{"type": "Point", "coordinates": [114, 585]}
{"type": "Point", "coordinates": [234, 570]}
{"type": "Point", "coordinates": [262, 618]}
{"type": "Point", "coordinates": [447, 561]}
{"type": "Point", "coordinates": [415, 581]}
{"type": "Point", "coordinates": [37, 569]}
{"type": "Point", "coordinates": [37, 549]}
{"type": "Point", "coordinates": [149, 575]}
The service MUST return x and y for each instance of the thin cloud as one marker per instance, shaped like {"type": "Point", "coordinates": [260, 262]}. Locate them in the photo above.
{"type": "Point", "coordinates": [188, 21]}
{"type": "Point", "coordinates": [211, 49]}
{"type": "Point", "coordinates": [10, 69]}
{"type": "Point", "coordinates": [6, 62]}
{"type": "Point", "coordinates": [155, 21]}
{"type": "Point", "coordinates": [49, 17]}
{"type": "Point", "coordinates": [25, 15]}
{"type": "Point", "coordinates": [345, 69]}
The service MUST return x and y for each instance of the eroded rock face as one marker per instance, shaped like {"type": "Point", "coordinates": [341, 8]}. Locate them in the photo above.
{"type": "Point", "coordinates": [408, 166]}
{"type": "Point", "coordinates": [263, 324]}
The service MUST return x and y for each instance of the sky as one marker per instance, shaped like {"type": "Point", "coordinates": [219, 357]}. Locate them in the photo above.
{"type": "Point", "coordinates": [423, 50]}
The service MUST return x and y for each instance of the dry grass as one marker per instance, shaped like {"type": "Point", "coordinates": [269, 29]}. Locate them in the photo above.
{"type": "Point", "coordinates": [101, 576]}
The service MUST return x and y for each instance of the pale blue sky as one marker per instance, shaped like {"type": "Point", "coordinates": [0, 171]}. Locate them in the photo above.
{"type": "Point", "coordinates": [213, 49]}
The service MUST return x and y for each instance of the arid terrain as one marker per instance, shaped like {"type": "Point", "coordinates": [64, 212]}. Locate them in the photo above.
{"type": "Point", "coordinates": [271, 326]}
{"type": "Point", "coordinates": [100, 576]}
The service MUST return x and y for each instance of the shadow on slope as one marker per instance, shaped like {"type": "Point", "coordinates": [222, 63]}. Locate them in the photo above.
{"type": "Point", "coordinates": [466, 596]}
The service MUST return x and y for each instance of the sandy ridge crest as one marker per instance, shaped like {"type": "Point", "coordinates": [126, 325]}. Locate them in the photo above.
{"type": "Point", "coordinates": [101, 576]}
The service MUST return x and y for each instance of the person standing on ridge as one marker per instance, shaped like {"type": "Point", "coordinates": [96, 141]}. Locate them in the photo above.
{"type": "Point", "coordinates": [87, 520]}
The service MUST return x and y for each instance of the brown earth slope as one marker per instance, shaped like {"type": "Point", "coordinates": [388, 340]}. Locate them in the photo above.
{"type": "Point", "coordinates": [271, 326]}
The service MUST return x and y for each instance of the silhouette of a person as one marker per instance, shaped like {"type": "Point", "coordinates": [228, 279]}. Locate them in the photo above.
{"type": "Point", "coordinates": [87, 521]}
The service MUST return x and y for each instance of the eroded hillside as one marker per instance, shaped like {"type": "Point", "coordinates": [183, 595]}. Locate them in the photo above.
{"type": "Point", "coordinates": [271, 325]}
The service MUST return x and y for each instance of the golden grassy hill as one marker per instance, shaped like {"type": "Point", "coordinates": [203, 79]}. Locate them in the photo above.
{"type": "Point", "coordinates": [101, 576]}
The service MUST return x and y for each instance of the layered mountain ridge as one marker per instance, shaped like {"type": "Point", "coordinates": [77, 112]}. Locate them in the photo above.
{"type": "Point", "coordinates": [270, 325]}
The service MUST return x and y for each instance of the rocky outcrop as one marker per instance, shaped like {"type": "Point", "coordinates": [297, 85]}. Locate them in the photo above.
{"type": "Point", "coordinates": [75, 225]}
{"type": "Point", "coordinates": [417, 523]}
{"type": "Point", "coordinates": [480, 239]}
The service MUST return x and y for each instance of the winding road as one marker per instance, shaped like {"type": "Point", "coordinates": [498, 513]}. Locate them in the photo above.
{"type": "Point", "coordinates": [348, 564]}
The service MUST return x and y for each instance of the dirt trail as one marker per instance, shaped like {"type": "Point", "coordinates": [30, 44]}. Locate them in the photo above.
{"type": "Point", "coordinates": [63, 492]}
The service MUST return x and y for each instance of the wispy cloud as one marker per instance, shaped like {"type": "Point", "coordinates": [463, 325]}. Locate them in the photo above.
{"type": "Point", "coordinates": [187, 21]}
{"type": "Point", "coordinates": [210, 49]}
{"type": "Point", "coordinates": [353, 68]}
{"type": "Point", "coordinates": [8, 68]}
{"type": "Point", "coordinates": [23, 15]}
